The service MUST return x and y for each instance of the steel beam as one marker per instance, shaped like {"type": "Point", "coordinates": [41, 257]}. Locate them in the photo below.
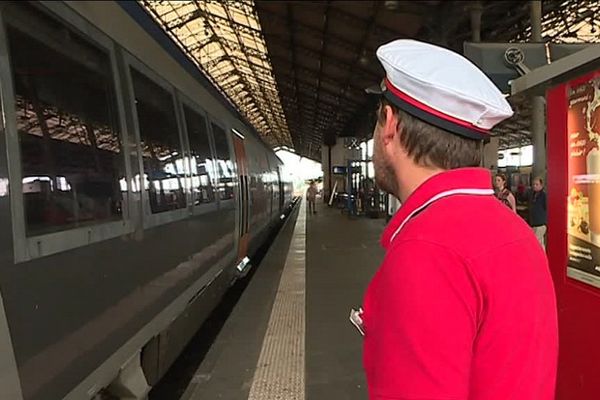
{"type": "Point", "coordinates": [335, 40]}
{"type": "Point", "coordinates": [538, 108]}
{"type": "Point", "coordinates": [313, 54]}
{"type": "Point", "coordinates": [558, 71]}
{"type": "Point", "coordinates": [326, 78]}
{"type": "Point", "coordinates": [476, 11]}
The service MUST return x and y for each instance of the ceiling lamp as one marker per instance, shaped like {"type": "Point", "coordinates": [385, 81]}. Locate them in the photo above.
{"type": "Point", "coordinates": [391, 5]}
{"type": "Point", "coordinates": [363, 60]}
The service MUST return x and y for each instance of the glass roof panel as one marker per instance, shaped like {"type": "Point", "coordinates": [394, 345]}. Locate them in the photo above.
{"type": "Point", "coordinates": [224, 39]}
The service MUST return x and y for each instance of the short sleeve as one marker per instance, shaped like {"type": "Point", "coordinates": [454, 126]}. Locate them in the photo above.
{"type": "Point", "coordinates": [421, 324]}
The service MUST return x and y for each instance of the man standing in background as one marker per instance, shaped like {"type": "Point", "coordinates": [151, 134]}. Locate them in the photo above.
{"type": "Point", "coordinates": [311, 197]}
{"type": "Point", "coordinates": [538, 214]}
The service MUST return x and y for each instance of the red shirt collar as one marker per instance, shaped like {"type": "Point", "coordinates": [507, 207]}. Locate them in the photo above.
{"type": "Point", "coordinates": [470, 181]}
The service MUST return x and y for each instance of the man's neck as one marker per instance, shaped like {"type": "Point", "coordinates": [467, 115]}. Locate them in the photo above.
{"type": "Point", "coordinates": [413, 178]}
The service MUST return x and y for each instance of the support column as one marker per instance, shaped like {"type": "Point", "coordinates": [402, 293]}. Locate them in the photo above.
{"type": "Point", "coordinates": [538, 135]}
{"type": "Point", "coordinates": [538, 103]}
{"type": "Point", "coordinates": [489, 158]}
{"type": "Point", "coordinates": [326, 168]}
{"type": "Point", "coordinates": [536, 20]}
{"type": "Point", "coordinates": [476, 11]}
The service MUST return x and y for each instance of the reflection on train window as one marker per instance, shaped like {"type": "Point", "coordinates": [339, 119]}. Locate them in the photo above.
{"type": "Point", "coordinates": [224, 163]}
{"type": "Point", "coordinates": [164, 166]}
{"type": "Point", "coordinates": [201, 162]}
{"type": "Point", "coordinates": [66, 119]}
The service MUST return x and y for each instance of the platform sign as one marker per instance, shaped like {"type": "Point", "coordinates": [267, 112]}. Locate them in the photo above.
{"type": "Point", "coordinates": [583, 222]}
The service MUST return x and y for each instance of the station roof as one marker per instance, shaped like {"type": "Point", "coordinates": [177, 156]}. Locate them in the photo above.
{"type": "Point", "coordinates": [225, 40]}
{"type": "Point", "coordinates": [297, 69]}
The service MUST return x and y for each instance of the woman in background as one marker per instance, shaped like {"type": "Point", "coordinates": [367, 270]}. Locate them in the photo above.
{"type": "Point", "coordinates": [503, 193]}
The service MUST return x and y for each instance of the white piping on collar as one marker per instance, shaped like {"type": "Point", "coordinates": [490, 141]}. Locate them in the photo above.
{"type": "Point", "coordinates": [473, 192]}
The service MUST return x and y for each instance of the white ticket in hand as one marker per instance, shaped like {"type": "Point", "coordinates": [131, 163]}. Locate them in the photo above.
{"type": "Point", "coordinates": [357, 320]}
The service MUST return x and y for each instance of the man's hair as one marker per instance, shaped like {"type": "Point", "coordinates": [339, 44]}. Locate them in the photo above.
{"type": "Point", "coordinates": [430, 146]}
{"type": "Point", "coordinates": [537, 178]}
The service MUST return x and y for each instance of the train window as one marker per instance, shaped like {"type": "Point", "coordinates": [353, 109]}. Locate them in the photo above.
{"type": "Point", "coordinates": [66, 116]}
{"type": "Point", "coordinates": [201, 160]}
{"type": "Point", "coordinates": [224, 163]}
{"type": "Point", "coordinates": [160, 144]}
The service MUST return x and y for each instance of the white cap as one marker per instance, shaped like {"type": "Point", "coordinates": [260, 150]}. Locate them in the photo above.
{"type": "Point", "coordinates": [441, 87]}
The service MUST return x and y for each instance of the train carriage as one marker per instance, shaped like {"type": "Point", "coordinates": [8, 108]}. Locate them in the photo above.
{"type": "Point", "coordinates": [131, 195]}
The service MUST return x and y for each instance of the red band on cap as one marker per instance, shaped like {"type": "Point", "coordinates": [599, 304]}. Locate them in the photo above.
{"type": "Point", "coordinates": [416, 103]}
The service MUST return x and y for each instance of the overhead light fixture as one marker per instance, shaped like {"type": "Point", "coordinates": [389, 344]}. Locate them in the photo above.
{"type": "Point", "coordinates": [392, 5]}
{"type": "Point", "coordinates": [238, 134]}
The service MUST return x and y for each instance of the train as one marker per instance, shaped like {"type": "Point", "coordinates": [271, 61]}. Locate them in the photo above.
{"type": "Point", "coordinates": [132, 195]}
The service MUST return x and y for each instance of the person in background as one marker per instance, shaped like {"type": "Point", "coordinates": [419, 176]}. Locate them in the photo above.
{"type": "Point", "coordinates": [503, 194]}
{"type": "Point", "coordinates": [311, 197]}
{"type": "Point", "coordinates": [521, 191]}
{"type": "Point", "coordinates": [538, 215]}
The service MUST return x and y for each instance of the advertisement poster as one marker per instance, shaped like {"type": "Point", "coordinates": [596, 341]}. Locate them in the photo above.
{"type": "Point", "coordinates": [583, 132]}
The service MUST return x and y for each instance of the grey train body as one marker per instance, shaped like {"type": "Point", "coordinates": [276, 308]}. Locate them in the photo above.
{"type": "Point", "coordinates": [124, 205]}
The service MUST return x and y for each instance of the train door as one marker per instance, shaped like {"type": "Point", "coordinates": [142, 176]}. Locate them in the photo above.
{"type": "Point", "coordinates": [243, 206]}
{"type": "Point", "coordinates": [281, 189]}
{"type": "Point", "coordinates": [270, 188]}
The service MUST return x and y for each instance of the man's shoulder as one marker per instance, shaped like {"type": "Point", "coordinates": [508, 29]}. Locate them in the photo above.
{"type": "Point", "coordinates": [467, 226]}
{"type": "Point", "coordinates": [418, 254]}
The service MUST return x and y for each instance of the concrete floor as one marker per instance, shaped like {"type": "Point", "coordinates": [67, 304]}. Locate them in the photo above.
{"type": "Point", "coordinates": [341, 257]}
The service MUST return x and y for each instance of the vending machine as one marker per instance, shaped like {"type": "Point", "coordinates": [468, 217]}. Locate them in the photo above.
{"type": "Point", "coordinates": [573, 141]}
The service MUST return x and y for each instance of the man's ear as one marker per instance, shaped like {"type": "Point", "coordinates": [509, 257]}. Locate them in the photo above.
{"type": "Point", "coordinates": [390, 127]}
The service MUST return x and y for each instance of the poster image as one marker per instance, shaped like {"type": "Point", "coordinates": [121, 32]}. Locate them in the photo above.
{"type": "Point", "coordinates": [583, 130]}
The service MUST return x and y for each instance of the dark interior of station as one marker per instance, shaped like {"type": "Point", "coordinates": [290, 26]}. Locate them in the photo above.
{"type": "Point", "coordinates": [322, 53]}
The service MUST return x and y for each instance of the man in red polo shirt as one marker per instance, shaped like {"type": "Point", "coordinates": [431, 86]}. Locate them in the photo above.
{"type": "Point", "coordinates": [463, 306]}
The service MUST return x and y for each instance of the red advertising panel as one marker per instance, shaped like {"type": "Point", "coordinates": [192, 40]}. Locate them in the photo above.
{"type": "Point", "coordinates": [573, 230]}
{"type": "Point", "coordinates": [583, 134]}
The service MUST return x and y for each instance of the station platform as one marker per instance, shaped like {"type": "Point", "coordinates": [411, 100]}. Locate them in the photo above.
{"type": "Point", "coordinates": [289, 337]}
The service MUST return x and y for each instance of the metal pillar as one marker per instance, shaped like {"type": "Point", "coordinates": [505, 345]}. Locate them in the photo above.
{"type": "Point", "coordinates": [476, 11]}
{"type": "Point", "coordinates": [538, 104]}
{"type": "Point", "coordinates": [489, 151]}
{"type": "Point", "coordinates": [538, 135]}
{"type": "Point", "coordinates": [536, 20]}
{"type": "Point", "coordinates": [326, 167]}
